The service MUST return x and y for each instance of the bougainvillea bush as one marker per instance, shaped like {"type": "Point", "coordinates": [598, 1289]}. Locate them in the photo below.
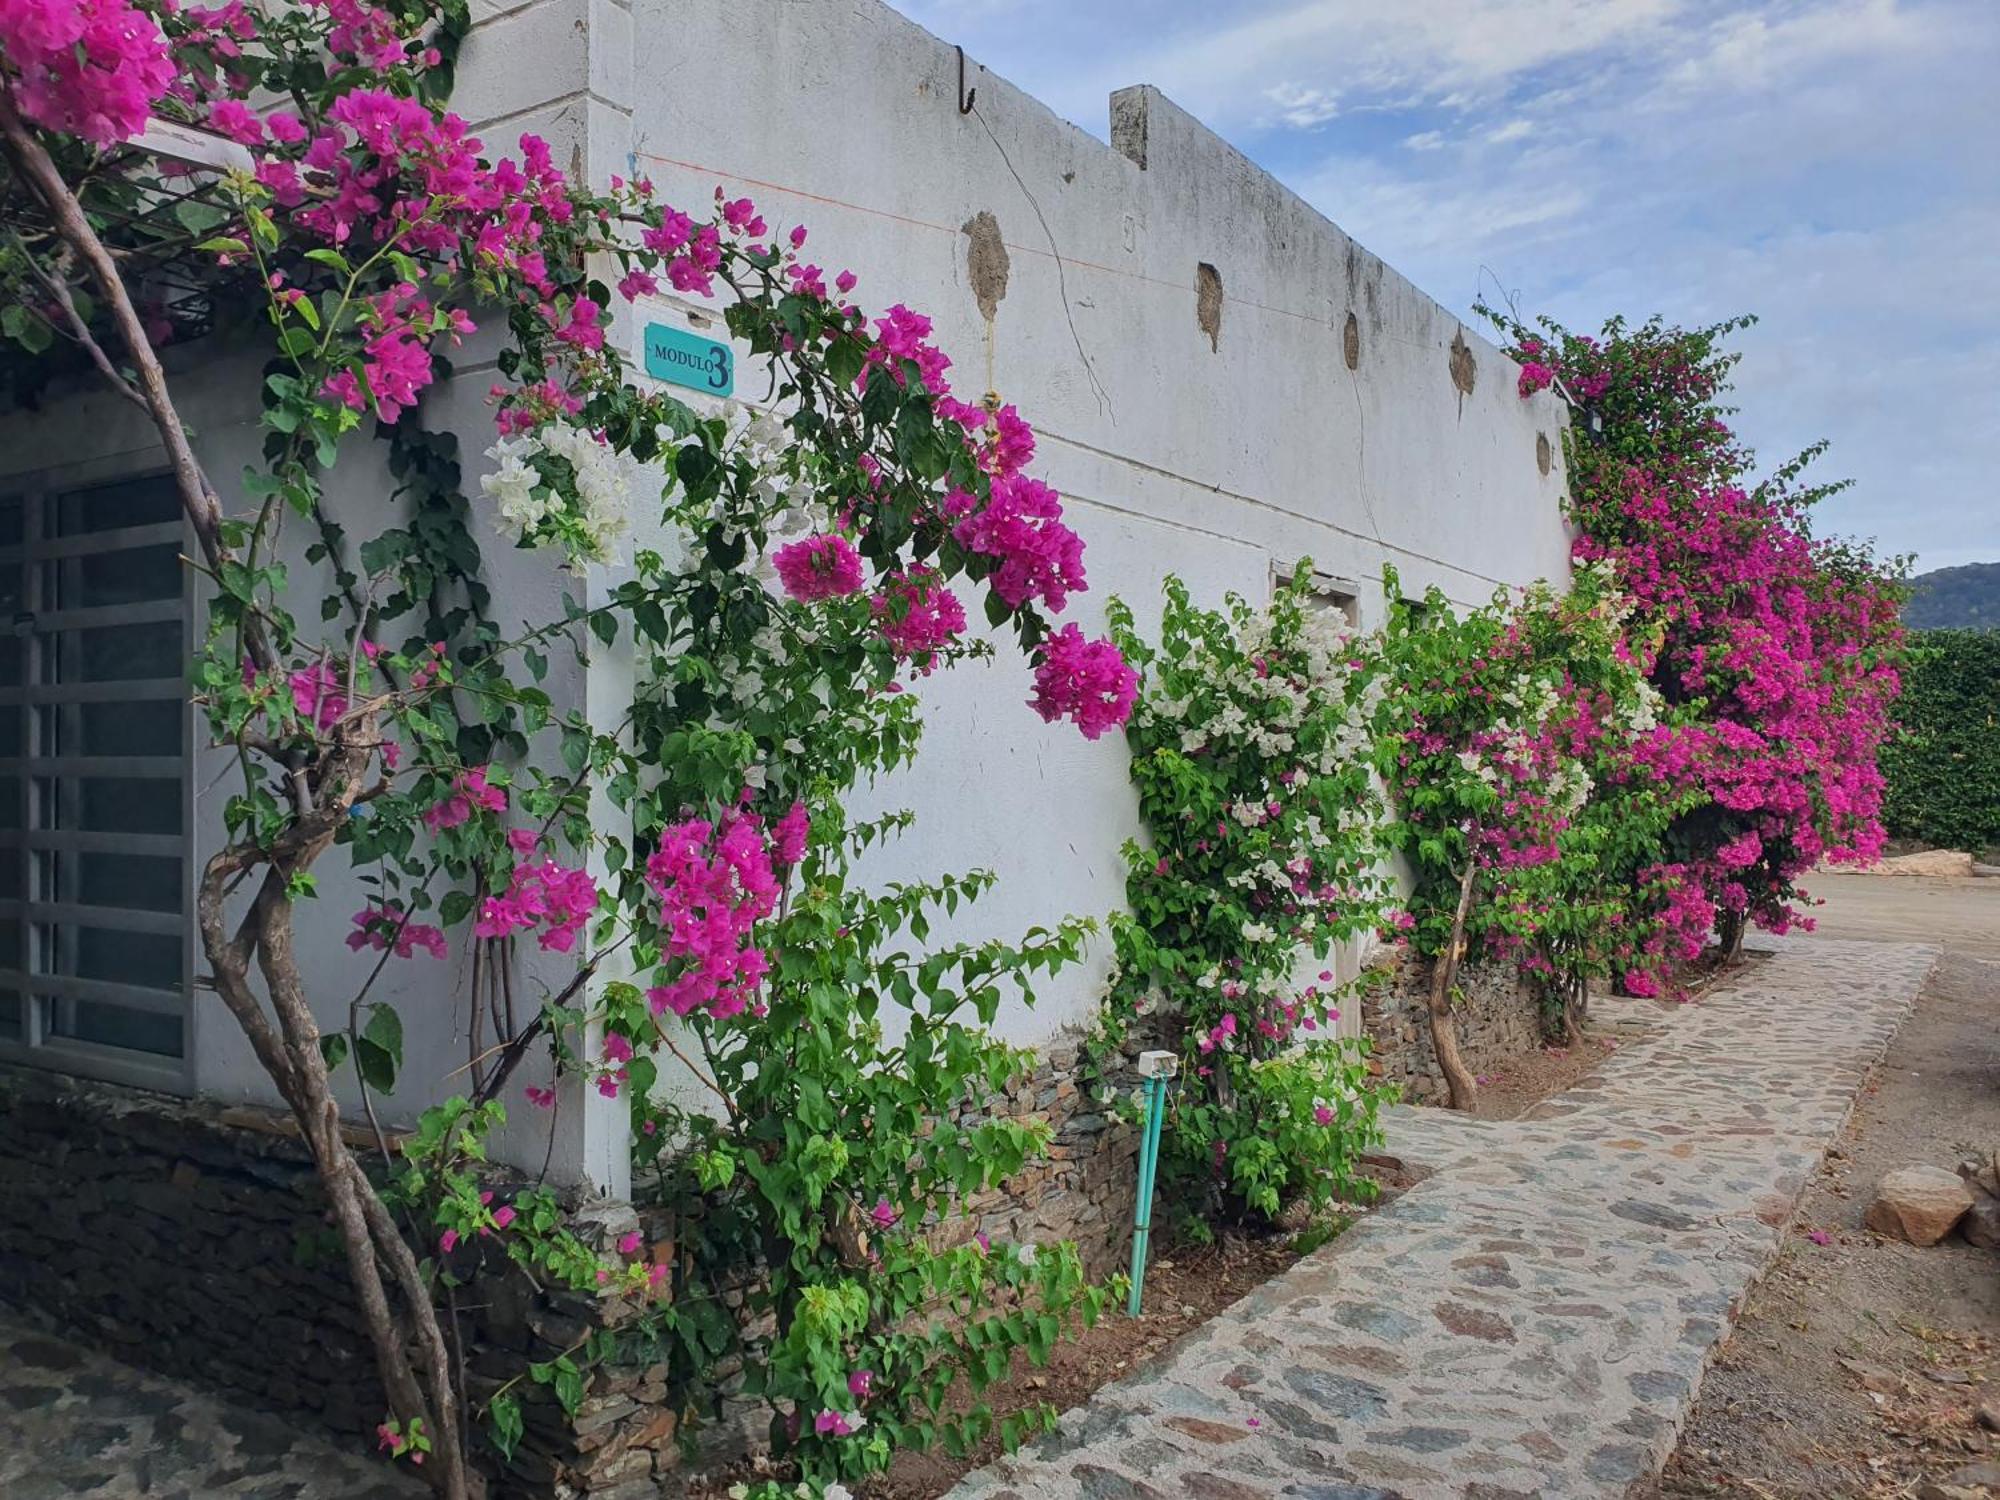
{"type": "Point", "coordinates": [1508, 738]}
{"type": "Point", "coordinates": [788, 573]}
{"type": "Point", "coordinates": [1251, 747]}
{"type": "Point", "coordinates": [1782, 646]}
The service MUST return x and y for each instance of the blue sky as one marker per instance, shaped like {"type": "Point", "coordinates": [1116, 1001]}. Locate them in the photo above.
{"type": "Point", "coordinates": [1830, 165]}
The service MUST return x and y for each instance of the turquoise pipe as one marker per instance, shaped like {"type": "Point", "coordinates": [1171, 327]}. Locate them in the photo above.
{"type": "Point", "coordinates": [1142, 1213]}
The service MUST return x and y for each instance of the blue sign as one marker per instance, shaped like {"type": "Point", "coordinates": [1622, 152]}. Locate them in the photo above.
{"type": "Point", "coordinates": [689, 359]}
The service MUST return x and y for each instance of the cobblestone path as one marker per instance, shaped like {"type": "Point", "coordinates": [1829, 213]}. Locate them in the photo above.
{"type": "Point", "coordinates": [77, 1426]}
{"type": "Point", "coordinates": [1533, 1318]}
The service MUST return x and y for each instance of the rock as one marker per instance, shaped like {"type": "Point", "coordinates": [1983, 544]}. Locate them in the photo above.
{"type": "Point", "coordinates": [1976, 1477]}
{"type": "Point", "coordinates": [1873, 1377]}
{"type": "Point", "coordinates": [1982, 1174]}
{"type": "Point", "coordinates": [1981, 1225]}
{"type": "Point", "coordinates": [1989, 1415]}
{"type": "Point", "coordinates": [1918, 1204]}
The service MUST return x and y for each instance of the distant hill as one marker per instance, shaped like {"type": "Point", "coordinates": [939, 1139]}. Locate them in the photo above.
{"type": "Point", "coordinates": [1966, 598]}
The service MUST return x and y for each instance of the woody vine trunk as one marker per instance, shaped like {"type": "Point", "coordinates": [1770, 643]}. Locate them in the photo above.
{"type": "Point", "coordinates": [1458, 1078]}
{"type": "Point", "coordinates": [411, 1352]}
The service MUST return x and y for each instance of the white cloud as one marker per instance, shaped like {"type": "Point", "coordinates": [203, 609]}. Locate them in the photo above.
{"type": "Point", "coordinates": [1437, 48]}
{"type": "Point", "coordinates": [1775, 45]}
{"type": "Point", "coordinates": [1303, 108]}
{"type": "Point", "coordinates": [1425, 140]}
{"type": "Point", "coordinates": [1513, 130]}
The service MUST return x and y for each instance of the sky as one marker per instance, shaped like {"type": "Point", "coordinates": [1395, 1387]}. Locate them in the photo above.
{"type": "Point", "coordinates": [1832, 166]}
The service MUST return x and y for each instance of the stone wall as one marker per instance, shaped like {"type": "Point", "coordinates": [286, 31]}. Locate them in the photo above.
{"type": "Point", "coordinates": [1083, 1190]}
{"type": "Point", "coordinates": [192, 1240]}
{"type": "Point", "coordinates": [1497, 1016]}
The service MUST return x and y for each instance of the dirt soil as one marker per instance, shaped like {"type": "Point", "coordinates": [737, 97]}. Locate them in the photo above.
{"type": "Point", "coordinates": [1531, 1078]}
{"type": "Point", "coordinates": [1860, 1365]}
{"type": "Point", "coordinates": [1184, 1289]}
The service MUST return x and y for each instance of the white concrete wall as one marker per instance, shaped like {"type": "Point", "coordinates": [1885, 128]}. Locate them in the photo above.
{"type": "Point", "coordinates": [94, 438]}
{"type": "Point", "coordinates": [1217, 459]}
{"type": "Point", "coordinates": [524, 68]}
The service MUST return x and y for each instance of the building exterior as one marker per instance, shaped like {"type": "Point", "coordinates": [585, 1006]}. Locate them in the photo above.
{"type": "Point", "coordinates": [1221, 379]}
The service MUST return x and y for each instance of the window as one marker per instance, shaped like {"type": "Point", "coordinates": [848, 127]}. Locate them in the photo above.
{"type": "Point", "coordinates": [95, 807]}
{"type": "Point", "coordinates": [1336, 595]}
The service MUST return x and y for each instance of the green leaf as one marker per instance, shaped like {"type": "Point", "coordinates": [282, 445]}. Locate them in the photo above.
{"type": "Point", "coordinates": [503, 1424]}
{"type": "Point", "coordinates": [333, 1048]}
{"type": "Point", "coordinates": [197, 215]}
{"type": "Point", "coordinates": [30, 332]}
{"type": "Point", "coordinates": [378, 1051]}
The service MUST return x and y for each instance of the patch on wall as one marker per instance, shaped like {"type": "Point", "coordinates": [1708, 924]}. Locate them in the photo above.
{"type": "Point", "coordinates": [1463, 371]}
{"type": "Point", "coordinates": [986, 262]}
{"type": "Point", "coordinates": [1208, 303]}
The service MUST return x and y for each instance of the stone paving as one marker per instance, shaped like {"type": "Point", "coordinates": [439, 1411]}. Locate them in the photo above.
{"type": "Point", "coordinates": [74, 1424]}
{"type": "Point", "coordinates": [1532, 1319]}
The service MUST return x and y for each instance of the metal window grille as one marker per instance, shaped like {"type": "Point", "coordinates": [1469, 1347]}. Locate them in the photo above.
{"type": "Point", "coordinates": [96, 810]}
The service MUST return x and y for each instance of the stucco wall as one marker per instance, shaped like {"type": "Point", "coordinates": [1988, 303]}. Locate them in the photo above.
{"type": "Point", "coordinates": [88, 436]}
{"type": "Point", "coordinates": [1320, 404]}
{"type": "Point", "coordinates": [1215, 454]}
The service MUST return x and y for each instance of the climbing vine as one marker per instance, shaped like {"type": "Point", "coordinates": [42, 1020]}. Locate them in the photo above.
{"type": "Point", "coordinates": [1251, 746]}
{"type": "Point", "coordinates": [1506, 740]}
{"type": "Point", "coordinates": [1780, 647]}
{"type": "Point", "coordinates": [791, 1072]}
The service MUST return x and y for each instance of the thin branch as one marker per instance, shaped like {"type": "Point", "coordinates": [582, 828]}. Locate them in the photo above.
{"type": "Point", "coordinates": [79, 330]}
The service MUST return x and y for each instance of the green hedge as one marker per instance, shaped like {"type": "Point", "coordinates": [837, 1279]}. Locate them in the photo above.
{"type": "Point", "coordinates": [1943, 768]}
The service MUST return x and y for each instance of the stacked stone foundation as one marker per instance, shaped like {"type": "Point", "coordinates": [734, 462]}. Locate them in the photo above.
{"type": "Point", "coordinates": [1497, 1018]}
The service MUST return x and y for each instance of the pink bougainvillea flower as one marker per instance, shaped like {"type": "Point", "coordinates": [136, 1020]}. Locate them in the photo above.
{"type": "Point", "coordinates": [715, 882]}
{"type": "Point", "coordinates": [628, 1244]}
{"type": "Point", "coordinates": [1020, 525]}
{"type": "Point", "coordinates": [819, 567]}
{"type": "Point", "coordinates": [918, 616]}
{"type": "Point", "coordinates": [316, 695]}
{"type": "Point", "coordinates": [93, 68]}
{"type": "Point", "coordinates": [1087, 681]}
{"type": "Point", "coordinates": [469, 793]}
{"type": "Point", "coordinates": [788, 836]}
{"type": "Point", "coordinates": [379, 925]}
